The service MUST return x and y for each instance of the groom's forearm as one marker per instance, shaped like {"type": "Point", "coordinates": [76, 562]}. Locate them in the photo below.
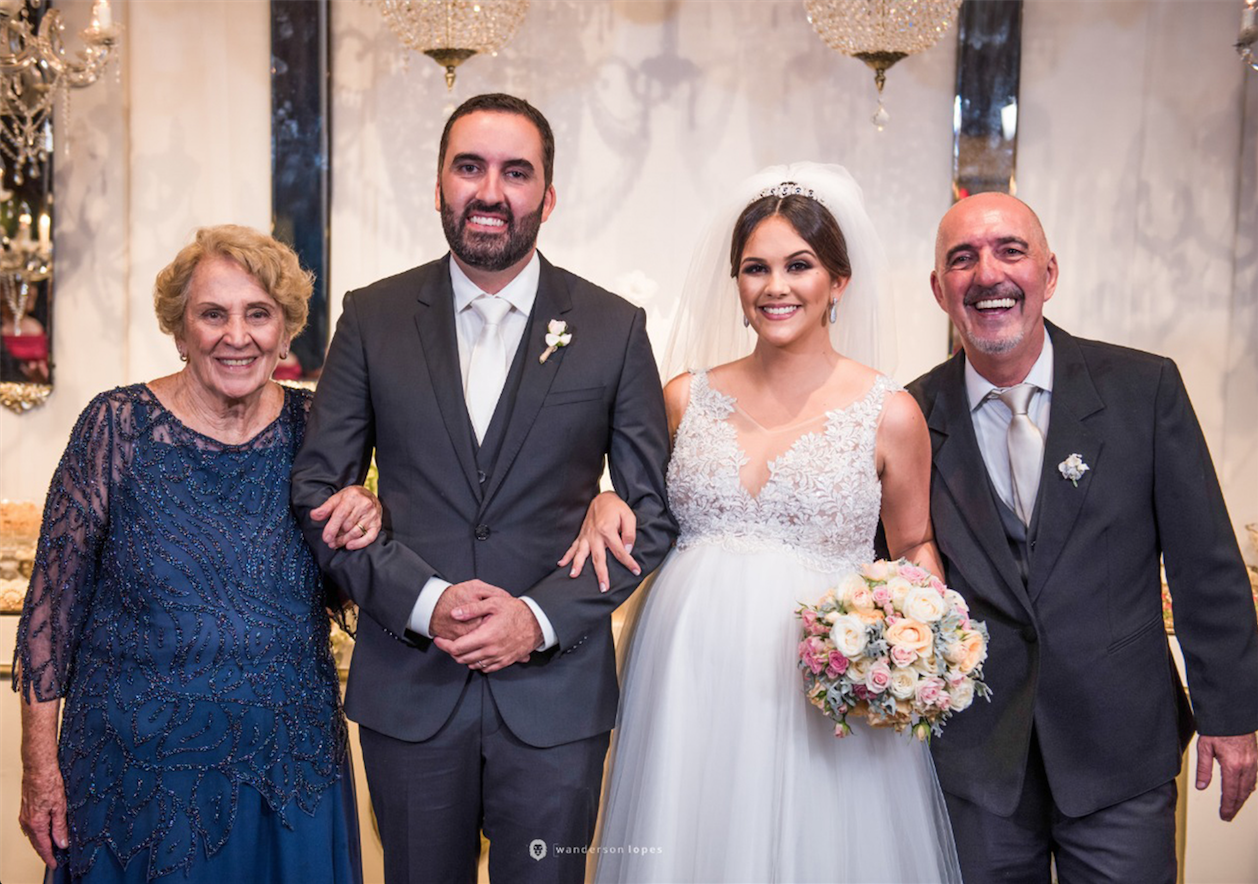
{"type": "Point", "coordinates": [637, 458]}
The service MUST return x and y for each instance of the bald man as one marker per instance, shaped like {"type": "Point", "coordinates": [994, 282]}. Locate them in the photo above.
{"type": "Point", "coordinates": [1053, 533]}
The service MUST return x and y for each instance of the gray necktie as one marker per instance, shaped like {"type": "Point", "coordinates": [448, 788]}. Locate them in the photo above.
{"type": "Point", "coordinates": [487, 369]}
{"type": "Point", "coordinates": [1026, 450]}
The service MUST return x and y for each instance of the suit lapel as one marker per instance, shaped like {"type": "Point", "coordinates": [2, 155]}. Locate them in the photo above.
{"type": "Point", "coordinates": [1059, 501]}
{"type": "Point", "coordinates": [960, 466]}
{"type": "Point", "coordinates": [553, 302]}
{"type": "Point", "coordinates": [437, 335]}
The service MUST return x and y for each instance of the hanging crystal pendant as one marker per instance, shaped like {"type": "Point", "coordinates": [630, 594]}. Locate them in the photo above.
{"type": "Point", "coordinates": [881, 32]}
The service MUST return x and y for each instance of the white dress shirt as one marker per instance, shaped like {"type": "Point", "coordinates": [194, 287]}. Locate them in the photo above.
{"type": "Point", "coordinates": [991, 416]}
{"type": "Point", "coordinates": [520, 292]}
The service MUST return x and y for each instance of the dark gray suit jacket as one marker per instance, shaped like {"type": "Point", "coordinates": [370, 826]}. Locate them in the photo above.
{"type": "Point", "coordinates": [1079, 649]}
{"type": "Point", "coordinates": [392, 383]}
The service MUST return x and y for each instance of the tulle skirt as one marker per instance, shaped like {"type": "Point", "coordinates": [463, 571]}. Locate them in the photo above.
{"type": "Point", "coordinates": [721, 770]}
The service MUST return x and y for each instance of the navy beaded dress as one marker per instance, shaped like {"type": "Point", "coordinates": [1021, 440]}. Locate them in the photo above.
{"type": "Point", "coordinates": [177, 611]}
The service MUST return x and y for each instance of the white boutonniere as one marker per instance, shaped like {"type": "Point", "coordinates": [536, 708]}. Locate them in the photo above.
{"type": "Point", "coordinates": [1073, 468]}
{"type": "Point", "coordinates": [557, 335]}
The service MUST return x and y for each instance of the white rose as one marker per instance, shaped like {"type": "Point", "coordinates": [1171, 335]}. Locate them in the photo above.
{"type": "Point", "coordinates": [857, 669]}
{"type": "Point", "coordinates": [924, 605]}
{"type": "Point", "coordinates": [962, 694]}
{"type": "Point", "coordinates": [903, 683]}
{"type": "Point", "coordinates": [899, 589]}
{"type": "Point", "coordinates": [848, 588]}
{"type": "Point", "coordinates": [956, 601]}
{"type": "Point", "coordinates": [848, 635]}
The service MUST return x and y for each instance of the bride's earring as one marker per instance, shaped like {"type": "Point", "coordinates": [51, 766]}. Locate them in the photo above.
{"type": "Point", "coordinates": [834, 310]}
{"type": "Point", "coordinates": [746, 321]}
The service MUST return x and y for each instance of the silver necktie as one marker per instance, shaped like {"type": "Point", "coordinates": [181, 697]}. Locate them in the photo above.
{"type": "Point", "coordinates": [1026, 450]}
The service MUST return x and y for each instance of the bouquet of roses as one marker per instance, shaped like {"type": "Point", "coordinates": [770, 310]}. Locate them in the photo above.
{"type": "Point", "coordinates": [891, 643]}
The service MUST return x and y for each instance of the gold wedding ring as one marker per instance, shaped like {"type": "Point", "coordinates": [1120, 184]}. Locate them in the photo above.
{"type": "Point", "coordinates": [362, 529]}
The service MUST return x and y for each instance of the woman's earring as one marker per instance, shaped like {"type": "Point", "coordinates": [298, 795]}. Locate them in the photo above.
{"type": "Point", "coordinates": [746, 321]}
{"type": "Point", "coordinates": [183, 357]}
{"type": "Point", "coordinates": [283, 355]}
{"type": "Point", "coordinates": [834, 310]}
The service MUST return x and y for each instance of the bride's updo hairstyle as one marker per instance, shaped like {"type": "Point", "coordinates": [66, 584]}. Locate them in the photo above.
{"type": "Point", "coordinates": [810, 219]}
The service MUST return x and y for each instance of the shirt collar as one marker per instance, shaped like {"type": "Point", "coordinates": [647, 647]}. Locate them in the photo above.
{"type": "Point", "coordinates": [977, 387]}
{"type": "Point", "coordinates": [520, 292]}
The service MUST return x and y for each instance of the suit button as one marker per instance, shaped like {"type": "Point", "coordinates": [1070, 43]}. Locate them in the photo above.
{"type": "Point", "coordinates": [1029, 634]}
{"type": "Point", "coordinates": [481, 477]}
{"type": "Point", "coordinates": [482, 532]}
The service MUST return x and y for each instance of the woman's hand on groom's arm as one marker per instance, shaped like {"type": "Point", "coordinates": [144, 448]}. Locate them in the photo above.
{"type": "Point", "coordinates": [609, 525]}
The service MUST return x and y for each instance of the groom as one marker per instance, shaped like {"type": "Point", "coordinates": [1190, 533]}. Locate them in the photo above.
{"type": "Point", "coordinates": [1052, 504]}
{"type": "Point", "coordinates": [483, 677]}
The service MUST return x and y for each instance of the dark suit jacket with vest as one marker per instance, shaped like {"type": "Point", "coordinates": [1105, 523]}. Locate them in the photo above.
{"type": "Point", "coordinates": [503, 511]}
{"type": "Point", "coordinates": [1077, 642]}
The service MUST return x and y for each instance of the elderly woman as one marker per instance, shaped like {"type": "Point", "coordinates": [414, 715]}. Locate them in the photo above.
{"type": "Point", "coordinates": [177, 611]}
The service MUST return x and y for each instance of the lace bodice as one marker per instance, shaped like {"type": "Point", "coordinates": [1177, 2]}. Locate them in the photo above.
{"type": "Point", "coordinates": [176, 609]}
{"type": "Point", "coordinates": [821, 500]}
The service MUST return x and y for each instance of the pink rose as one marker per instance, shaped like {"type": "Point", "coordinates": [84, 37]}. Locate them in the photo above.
{"type": "Point", "coordinates": [937, 584]}
{"type": "Point", "coordinates": [914, 574]}
{"type": "Point", "coordinates": [929, 690]}
{"type": "Point", "coordinates": [837, 665]}
{"type": "Point", "coordinates": [882, 595]}
{"type": "Point", "coordinates": [813, 653]}
{"type": "Point", "coordinates": [902, 655]}
{"type": "Point", "coordinates": [878, 679]}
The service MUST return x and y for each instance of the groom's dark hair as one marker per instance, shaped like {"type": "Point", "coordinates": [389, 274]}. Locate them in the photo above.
{"type": "Point", "coordinates": [500, 102]}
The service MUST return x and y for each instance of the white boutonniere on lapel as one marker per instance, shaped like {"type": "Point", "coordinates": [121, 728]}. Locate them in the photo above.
{"type": "Point", "coordinates": [557, 335]}
{"type": "Point", "coordinates": [1073, 468]}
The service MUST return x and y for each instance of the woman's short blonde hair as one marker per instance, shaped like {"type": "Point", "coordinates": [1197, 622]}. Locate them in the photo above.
{"type": "Point", "coordinates": [273, 264]}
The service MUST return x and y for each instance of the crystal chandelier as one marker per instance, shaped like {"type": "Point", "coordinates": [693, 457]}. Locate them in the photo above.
{"type": "Point", "coordinates": [1247, 42]}
{"type": "Point", "coordinates": [452, 31]}
{"type": "Point", "coordinates": [881, 32]}
{"type": "Point", "coordinates": [35, 70]}
{"type": "Point", "coordinates": [24, 261]}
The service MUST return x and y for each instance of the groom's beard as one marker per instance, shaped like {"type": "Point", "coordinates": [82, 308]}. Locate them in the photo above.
{"type": "Point", "coordinates": [490, 252]}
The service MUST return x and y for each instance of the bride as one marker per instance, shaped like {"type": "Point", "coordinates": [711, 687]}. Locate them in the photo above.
{"type": "Point", "coordinates": [783, 462]}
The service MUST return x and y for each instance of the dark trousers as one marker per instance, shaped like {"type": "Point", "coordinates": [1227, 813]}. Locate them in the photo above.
{"type": "Point", "coordinates": [1133, 840]}
{"type": "Point", "coordinates": [432, 799]}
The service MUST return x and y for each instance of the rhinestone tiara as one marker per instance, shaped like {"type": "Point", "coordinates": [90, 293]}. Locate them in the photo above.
{"type": "Point", "coordinates": [790, 188]}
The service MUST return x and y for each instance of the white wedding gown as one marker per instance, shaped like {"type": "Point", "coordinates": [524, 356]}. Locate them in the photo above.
{"type": "Point", "coordinates": [721, 770]}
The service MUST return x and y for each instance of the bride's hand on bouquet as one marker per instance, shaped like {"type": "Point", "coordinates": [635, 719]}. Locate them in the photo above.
{"type": "Point", "coordinates": [609, 526]}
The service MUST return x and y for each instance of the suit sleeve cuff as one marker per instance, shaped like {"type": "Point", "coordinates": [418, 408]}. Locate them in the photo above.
{"type": "Point", "coordinates": [549, 639]}
{"type": "Point", "coordinates": [421, 615]}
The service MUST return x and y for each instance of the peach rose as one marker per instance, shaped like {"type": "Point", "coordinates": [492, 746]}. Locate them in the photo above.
{"type": "Point", "coordinates": [877, 571]}
{"type": "Point", "coordinates": [973, 652]}
{"type": "Point", "coordinates": [911, 634]}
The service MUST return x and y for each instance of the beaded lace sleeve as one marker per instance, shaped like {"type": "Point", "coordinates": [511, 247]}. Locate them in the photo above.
{"type": "Point", "coordinates": [75, 524]}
